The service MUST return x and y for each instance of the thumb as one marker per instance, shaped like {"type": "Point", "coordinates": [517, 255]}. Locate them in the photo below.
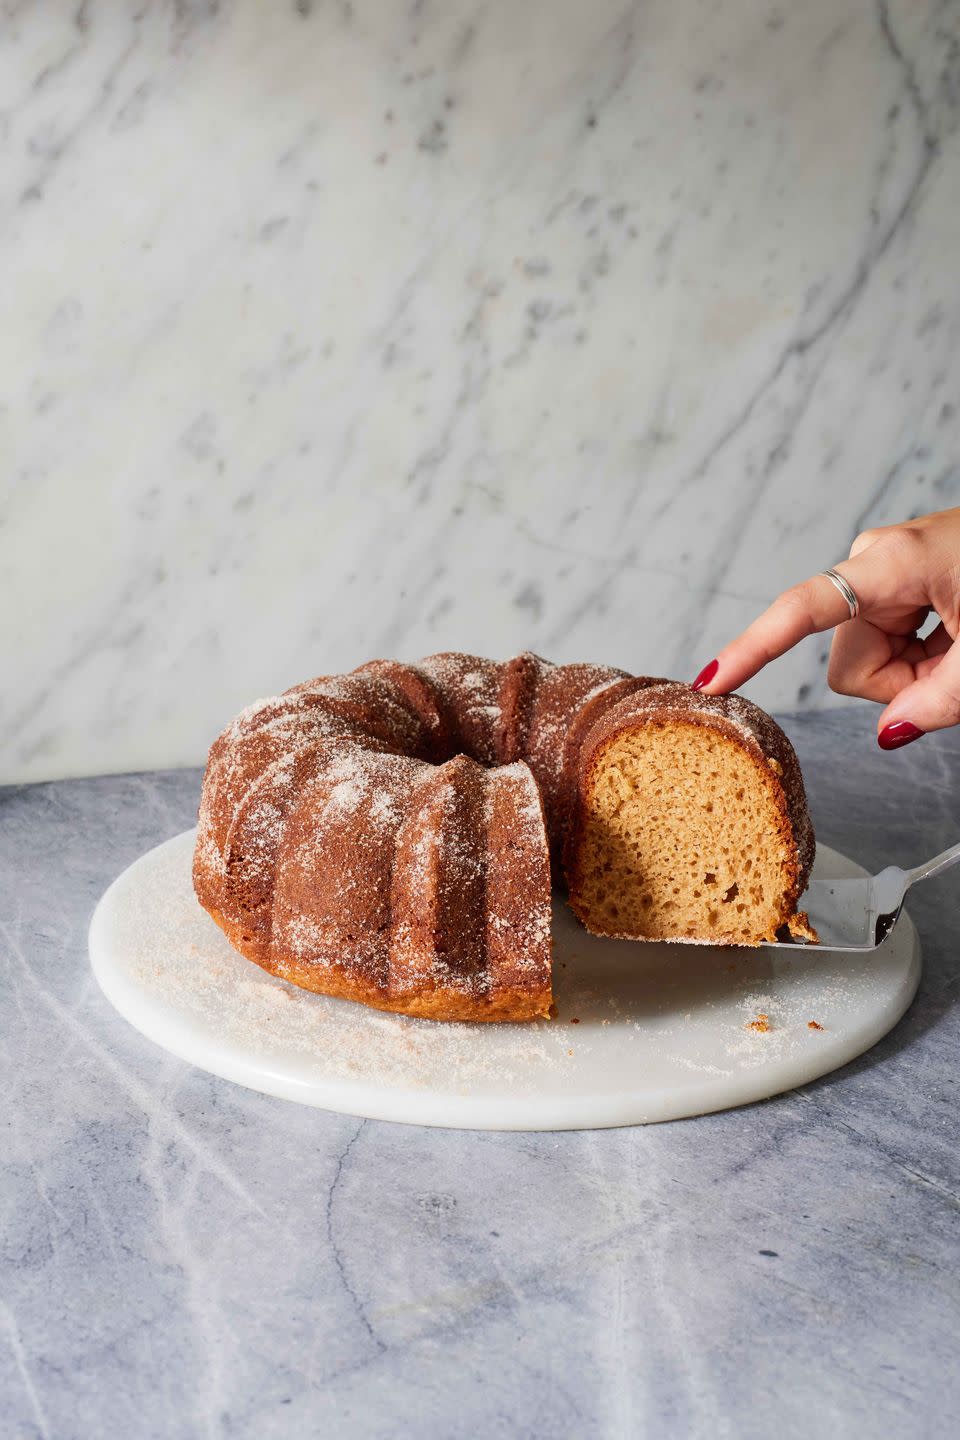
{"type": "Point", "coordinates": [931, 703]}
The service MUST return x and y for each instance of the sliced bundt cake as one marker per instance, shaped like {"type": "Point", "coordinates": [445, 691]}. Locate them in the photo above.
{"type": "Point", "coordinates": [389, 835]}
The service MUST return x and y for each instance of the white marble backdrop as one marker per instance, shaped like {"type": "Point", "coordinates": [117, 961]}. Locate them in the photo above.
{"type": "Point", "coordinates": [330, 330]}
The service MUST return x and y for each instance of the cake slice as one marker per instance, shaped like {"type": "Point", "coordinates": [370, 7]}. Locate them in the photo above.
{"type": "Point", "coordinates": [691, 822]}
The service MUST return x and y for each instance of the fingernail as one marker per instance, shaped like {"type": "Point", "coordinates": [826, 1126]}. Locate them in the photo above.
{"type": "Point", "coordinates": [706, 675]}
{"type": "Point", "coordinates": [901, 732]}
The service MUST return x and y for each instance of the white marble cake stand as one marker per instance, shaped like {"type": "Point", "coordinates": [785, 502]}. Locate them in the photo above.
{"type": "Point", "coordinates": [644, 1033]}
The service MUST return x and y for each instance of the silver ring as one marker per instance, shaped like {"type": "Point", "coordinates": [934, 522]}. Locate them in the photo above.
{"type": "Point", "coordinates": [846, 590]}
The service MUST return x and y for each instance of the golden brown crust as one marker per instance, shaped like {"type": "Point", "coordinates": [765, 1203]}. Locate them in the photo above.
{"type": "Point", "coordinates": [509, 1003]}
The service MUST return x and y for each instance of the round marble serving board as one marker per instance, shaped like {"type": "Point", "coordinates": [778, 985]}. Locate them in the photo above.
{"type": "Point", "coordinates": [645, 1032]}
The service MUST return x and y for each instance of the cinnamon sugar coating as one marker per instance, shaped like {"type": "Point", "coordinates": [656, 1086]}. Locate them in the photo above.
{"type": "Point", "coordinates": [391, 835]}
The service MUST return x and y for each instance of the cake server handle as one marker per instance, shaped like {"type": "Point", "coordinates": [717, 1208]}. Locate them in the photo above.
{"type": "Point", "coordinates": [944, 861]}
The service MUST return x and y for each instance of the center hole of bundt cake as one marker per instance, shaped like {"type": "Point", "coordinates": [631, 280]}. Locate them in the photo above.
{"type": "Point", "coordinates": [682, 837]}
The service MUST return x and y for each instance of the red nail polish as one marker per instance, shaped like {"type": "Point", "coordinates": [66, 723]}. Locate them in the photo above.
{"type": "Point", "coordinates": [706, 675]}
{"type": "Point", "coordinates": [901, 732]}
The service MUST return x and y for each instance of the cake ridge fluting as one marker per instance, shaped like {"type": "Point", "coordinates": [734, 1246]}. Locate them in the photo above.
{"type": "Point", "coordinates": [392, 835]}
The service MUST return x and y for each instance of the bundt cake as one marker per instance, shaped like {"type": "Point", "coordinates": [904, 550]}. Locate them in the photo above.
{"type": "Point", "coordinates": [390, 835]}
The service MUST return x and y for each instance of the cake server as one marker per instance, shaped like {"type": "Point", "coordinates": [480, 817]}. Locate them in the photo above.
{"type": "Point", "coordinates": [858, 914]}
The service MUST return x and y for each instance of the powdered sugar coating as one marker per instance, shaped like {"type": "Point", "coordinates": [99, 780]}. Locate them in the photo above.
{"type": "Point", "coordinates": [384, 834]}
{"type": "Point", "coordinates": [471, 688]}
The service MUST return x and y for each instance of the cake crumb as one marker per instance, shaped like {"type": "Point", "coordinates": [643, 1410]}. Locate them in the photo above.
{"type": "Point", "coordinates": [813, 1025]}
{"type": "Point", "coordinates": [799, 928]}
{"type": "Point", "coordinates": [761, 1024]}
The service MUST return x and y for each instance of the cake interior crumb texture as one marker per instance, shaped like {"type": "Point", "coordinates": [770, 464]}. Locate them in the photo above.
{"type": "Point", "coordinates": [684, 836]}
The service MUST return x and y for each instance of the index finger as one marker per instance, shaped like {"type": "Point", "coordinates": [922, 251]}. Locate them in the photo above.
{"type": "Point", "coordinates": [806, 609]}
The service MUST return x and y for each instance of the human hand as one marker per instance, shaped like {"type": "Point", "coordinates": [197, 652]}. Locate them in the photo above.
{"type": "Point", "coordinates": [899, 573]}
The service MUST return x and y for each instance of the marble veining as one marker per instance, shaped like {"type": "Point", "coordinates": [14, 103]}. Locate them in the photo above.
{"type": "Point", "coordinates": [183, 1258]}
{"type": "Point", "coordinates": [340, 329]}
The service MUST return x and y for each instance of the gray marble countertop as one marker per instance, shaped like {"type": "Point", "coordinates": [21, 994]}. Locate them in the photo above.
{"type": "Point", "coordinates": [183, 1258]}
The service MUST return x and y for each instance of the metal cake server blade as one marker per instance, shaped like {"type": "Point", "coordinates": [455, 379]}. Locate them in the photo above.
{"type": "Point", "coordinates": [858, 914]}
